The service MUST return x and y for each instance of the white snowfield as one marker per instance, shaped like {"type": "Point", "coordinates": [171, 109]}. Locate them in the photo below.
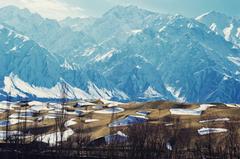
{"type": "Point", "coordinates": [143, 113]}
{"type": "Point", "coordinates": [214, 120]}
{"type": "Point", "coordinates": [169, 146]}
{"type": "Point", "coordinates": [17, 115]}
{"type": "Point", "coordinates": [91, 120]}
{"type": "Point", "coordinates": [55, 137]}
{"type": "Point", "coordinates": [112, 110]}
{"type": "Point", "coordinates": [38, 108]}
{"type": "Point", "coordinates": [233, 105]}
{"type": "Point", "coordinates": [5, 106]}
{"type": "Point", "coordinates": [35, 103]}
{"type": "Point", "coordinates": [50, 116]}
{"type": "Point", "coordinates": [70, 122]}
{"type": "Point", "coordinates": [110, 103]}
{"type": "Point", "coordinates": [117, 137]}
{"type": "Point", "coordinates": [16, 87]}
{"type": "Point", "coordinates": [11, 122]}
{"type": "Point", "coordinates": [195, 112]}
{"type": "Point", "coordinates": [83, 103]}
{"type": "Point", "coordinates": [179, 111]}
{"type": "Point", "coordinates": [206, 131]}
{"type": "Point", "coordinates": [129, 120]}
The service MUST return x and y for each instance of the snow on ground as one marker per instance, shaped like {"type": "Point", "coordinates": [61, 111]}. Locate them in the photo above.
{"type": "Point", "coordinates": [38, 108]}
{"type": "Point", "coordinates": [75, 113]}
{"type": "Point", "coordinates": [144, 113]}
{"type": "Point", "coordinates": [10, 122]}
{"type": "Point", "coordinates": [204, 107]}
{"type": "Point", "coordinates": [118, 137]}
{"type": "Point", "coordinates": [179, 111]}
{"type": "Point", "coordinates": [112, 110]}
{"type": "Point", "coordinates": [110, 103]}
{"type": "Point", "coordinates": [2, 111]}
{"type": "Point", "coordinates": [10, 133]}
{"type": "Point", "coordinates": [83, 103]}
{"type": "Point", "coordinates": [50, 116]}
{"type": "Point", "coordinates": [214, 120]}
{"type": "Point", "coordinates": [91, 120]}
{"type": "Point", "coordinates": [70, 122]}
{"type": "Point", "coordinates": [196, 112]}
{"type": "Point", "coordinates": [35, 103]}
{"type": "Point", "coordinates": [169, 124]}
{"type": "Point", "coordinates": [233, 105]}
{"type": "Point", "coordinates": [206, 131]}
{"type": "Point", "coordinates": [55, 137]}
{"type": "Point", "coordinates": [169, 146]}
{"type": "Point", "coordinates": [129, 120]}
{"type": "Point", "coordinates": [97, 107]}
{"type": "Point", "coordinates": [6, 107]}
{"type": "Point", "coordinates": [22, 115]}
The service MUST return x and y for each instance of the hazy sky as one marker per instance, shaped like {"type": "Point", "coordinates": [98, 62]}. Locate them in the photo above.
{"type": "Point", "coordinates": [59, 9]}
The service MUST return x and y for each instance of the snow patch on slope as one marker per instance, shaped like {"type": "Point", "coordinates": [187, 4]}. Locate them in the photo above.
{"type": "Point", "coordinates": [66, 65]}
{"type": "Point", "coordinates": [151, 93]}
{"type": "Point", "coordinates": [136, 31]}
{"type": "Point", "coordinates": [238, 33]}
{"type": "Point", "coordinates": [213, 27]}
{"type": "Point", "coordinates": [175, 92]}
{"type": "Point", "coordinates": [202, 16]}
{"type": "Point", "coordinates": [227, 32]}
{"type": "Point", "coordinates": [10, 88]}
{"type": "Point", "coordinates": [16, 87]}
{"type": "Point", "coordinates": [104, 93]}
{"type": "Point", "coordinates": [235, 60]}
{"type": "Point", "coordinates": [89, 51]}
{"type": "Point", "coordinates": [105, 56]}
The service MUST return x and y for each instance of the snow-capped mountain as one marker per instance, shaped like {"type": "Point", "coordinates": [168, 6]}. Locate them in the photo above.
{"type": "Point", "coordinates": [128, 53]}
{"type": "Point", "coordinates": [226, 26]}
{"type": "Point", "coordinates": [46, 32]}
{"type": "Point", "coordinates": [193, 62]}
{"type": "Point", "coordinates": [30, 71]}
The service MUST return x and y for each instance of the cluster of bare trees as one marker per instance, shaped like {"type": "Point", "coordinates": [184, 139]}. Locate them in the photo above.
{"type": "Point", "coordinates": [152, 140]}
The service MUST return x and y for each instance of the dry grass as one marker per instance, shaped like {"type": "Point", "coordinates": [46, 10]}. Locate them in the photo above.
{"type": "Point", "coordinates": [159, 114]}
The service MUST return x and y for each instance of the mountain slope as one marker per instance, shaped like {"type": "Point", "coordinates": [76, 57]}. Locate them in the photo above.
{"type": "Point", "coordinates": [128, 53]}
{"type": "Point", "coordinates": [224, 25]}
{"type": "Point", "coordinates": [77, 24]}
{"type": "Point", "coordinates": [29, 70]}
{"type": "Point", "coordinates": [48, 33]}
{"type": "Point", "coordinates": [193, 62]}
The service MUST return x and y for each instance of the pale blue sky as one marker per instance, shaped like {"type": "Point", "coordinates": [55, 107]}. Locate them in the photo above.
{"type": "Point", "coordinates": [59, 9]}
{"type": "Point", "coordinates": [190, 8]}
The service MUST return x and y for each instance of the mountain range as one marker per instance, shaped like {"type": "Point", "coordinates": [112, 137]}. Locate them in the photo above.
{"type": "Point", "coordinates": [126, 54]}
